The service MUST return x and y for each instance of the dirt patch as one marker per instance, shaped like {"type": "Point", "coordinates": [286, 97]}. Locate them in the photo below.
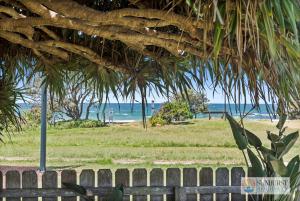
{"type": "Point", "coordinates": [173, 162]}
{"type": "Point", "coordinates": [191, 162]}
{"type": "Point", "coordinates": [15, 158]}
{"type": "Point", "coordinates": [293, 124]}
{"type": "Point", "coordinates": [128, 161]}
{"type": "Point", "coordinates": [20, 169]}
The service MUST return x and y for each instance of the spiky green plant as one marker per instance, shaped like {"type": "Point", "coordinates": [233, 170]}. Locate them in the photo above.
{"type": "Point", "coordinates": [269, 161]}
{"type": "Point", "coordinates": [10, 117]}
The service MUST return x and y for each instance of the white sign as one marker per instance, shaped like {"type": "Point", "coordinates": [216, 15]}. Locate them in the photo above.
{"type": "Point", "coordinates": [265, 185]}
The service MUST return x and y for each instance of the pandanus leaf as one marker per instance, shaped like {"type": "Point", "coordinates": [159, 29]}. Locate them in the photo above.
{"type": "Point", "coordinates": [269, 31]}
{"type": "Point", "coordinates": [288, 141]}
{"type": "Point", "coordinates": [219, 32]}
{"type": "Point", "coordinates": [238, 133]}
{"type": "Point", "coordinates": [279, 15]}
{"type": "Point", "coordinates": [256, 164]}
{"type": "Point", "coordinates": [218, 36]}
{"type": "Point", "coordinates": [289, 9]}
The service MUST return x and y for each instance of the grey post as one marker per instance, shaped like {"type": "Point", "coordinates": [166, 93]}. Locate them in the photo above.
{"type": "Point", "coordinates": [43, 127]}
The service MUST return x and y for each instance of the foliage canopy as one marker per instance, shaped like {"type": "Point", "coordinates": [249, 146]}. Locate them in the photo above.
{"type": "Point", "coordinates": [176, 110]}
{"type": "Point", "coordinates": [157, 46]}
{"type": "Point", "coordinates": [197, 101]}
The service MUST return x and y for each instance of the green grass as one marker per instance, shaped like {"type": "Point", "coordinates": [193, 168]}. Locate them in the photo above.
{"type": "Point", "coordinates": [200, 143]}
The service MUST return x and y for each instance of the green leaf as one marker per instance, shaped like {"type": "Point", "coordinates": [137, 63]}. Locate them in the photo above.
{"type": "Point", "coordinates": [291, 16]}
{"type": "Point", "coordinates": [256, 164]}
{"type": "Point", "coordinates": [238, 133]}
{"type": "Point", "coordinates": [281, 121]}
{"type": "Point", "coordinates": [273, 137]}
{"type": "Point", "coordinates": [253, 139]}
{"type": "Point", "coordinates": [117, 194]}
{"type": "Point", "coordinates": [279, 15]}
{"type": "Point", "coordinates": [267, 153]}
{"type": "Point", "coordinates": [74, 187]}
{"type": "Point", "coordinates": [293, 166]}
{"type": "Point", "coordinates": [268, 28]}
{"type": "Point", "coordinates": [279, 167]}
{"type": "Point", "coordinates": [288, 141]}
{"type": "Point", "coordinates": [218, 37]}
{"type": "Point", "coordinates": [219, 32]}
{"type": "Point", "coordinates": [279, 147]}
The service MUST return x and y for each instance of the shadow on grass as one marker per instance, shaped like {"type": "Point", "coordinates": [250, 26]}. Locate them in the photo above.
{"type": "Point", "coordinates": [182, 123]}
{"type": "Point", "coordinates": [63, 167]}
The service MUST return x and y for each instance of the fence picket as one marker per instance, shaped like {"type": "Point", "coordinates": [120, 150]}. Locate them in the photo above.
{"type": "Point", "coordinates": [156, 179]}
{"type": "Point", "coordinates": [206, 179]}
{"type": "Point", "coordinates": [222, 179]}
{"type": "Point", "coordinates": [68, 176]}
{"type": "Point", "coordinates": [104, 180]}
{"type": "Point", "coordinates": [250, 196]}
{"type": "Point", "coordinates": [1, 183]}
{"type": "Point", "coordinates": [139, 178]}
{"type": "Point", "coordinates": [49, 180]}
{"type": "Point", "coordinates": [13, 180]}
{"type": "Point", "coordinates": [190, 180]}
{"type": "Point", "coordinates": [30, 190]}
{"type": "Point", "coordinates": [29, 180]}
{"type": "Point", "coordinates": [122, 177]}
{"type": "Point", "coordinates": [173, 179]}
{"type": "Point", "coordinates": [236, 174]}
{"type": "Point", "coordinates": [87, 179]}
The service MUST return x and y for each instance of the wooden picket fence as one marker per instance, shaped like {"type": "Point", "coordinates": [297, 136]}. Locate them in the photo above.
{"type": "Point", "coordinates": [187, 184]}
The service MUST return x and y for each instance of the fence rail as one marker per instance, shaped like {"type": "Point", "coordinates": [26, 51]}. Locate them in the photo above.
{"type": "Point", "coordinates": [187, 184]}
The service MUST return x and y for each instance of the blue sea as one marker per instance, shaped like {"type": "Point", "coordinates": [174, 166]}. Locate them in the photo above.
{"type": "Point", "coordinates": [133, 112]}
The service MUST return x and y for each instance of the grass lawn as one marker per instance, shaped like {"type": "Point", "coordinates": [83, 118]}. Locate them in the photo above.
{"type": "Point", "coordinates": [200, 143]}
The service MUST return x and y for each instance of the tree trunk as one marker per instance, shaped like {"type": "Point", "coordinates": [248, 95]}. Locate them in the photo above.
{"type": "Point", "coordinates": [89, 106]}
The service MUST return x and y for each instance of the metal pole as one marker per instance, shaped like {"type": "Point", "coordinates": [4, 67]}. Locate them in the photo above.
{"type": "Point", "coordinates": [43, 128]}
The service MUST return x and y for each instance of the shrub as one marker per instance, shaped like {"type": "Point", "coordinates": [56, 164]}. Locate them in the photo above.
{"type": "Point", "coordinates": [269, 161]}
{"type": "Point", "coordinates": [197, 101]}
{"type": "Point", "coordinates": [79, 124]}
{"type": "Point", "coordinates": [172, 111]}
{"type": "Point", "coordinates": [90, 124]}
{"type": "Point", "coordinates": [33, 117]}
{"type": "Point", "coordinates": [157, 121]}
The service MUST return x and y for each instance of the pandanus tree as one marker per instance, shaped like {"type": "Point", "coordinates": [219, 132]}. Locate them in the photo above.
{"type": "Point", "coordinates": [163, 46]}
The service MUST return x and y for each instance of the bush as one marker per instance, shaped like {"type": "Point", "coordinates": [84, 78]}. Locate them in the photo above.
{"type": "Point", "coordinates": [91, 124]}
{"type": "Point", "coordinates": [157, 121]}
{"type": "Point", "coordinates": [197, 101]}
{"type": "Point", "coordinates": [173, 111]}
{"type": "Point", "coordinates": [79, 124]}
{"type": "Point", "coordinates": [33, 117]}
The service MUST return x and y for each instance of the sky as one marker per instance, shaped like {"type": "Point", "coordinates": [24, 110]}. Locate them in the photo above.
{"type": "Point", "coordinates": [214, 97]}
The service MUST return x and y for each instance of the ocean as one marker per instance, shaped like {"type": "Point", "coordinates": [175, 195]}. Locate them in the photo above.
{"type": "Point", "coordinates": [128, 112]}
